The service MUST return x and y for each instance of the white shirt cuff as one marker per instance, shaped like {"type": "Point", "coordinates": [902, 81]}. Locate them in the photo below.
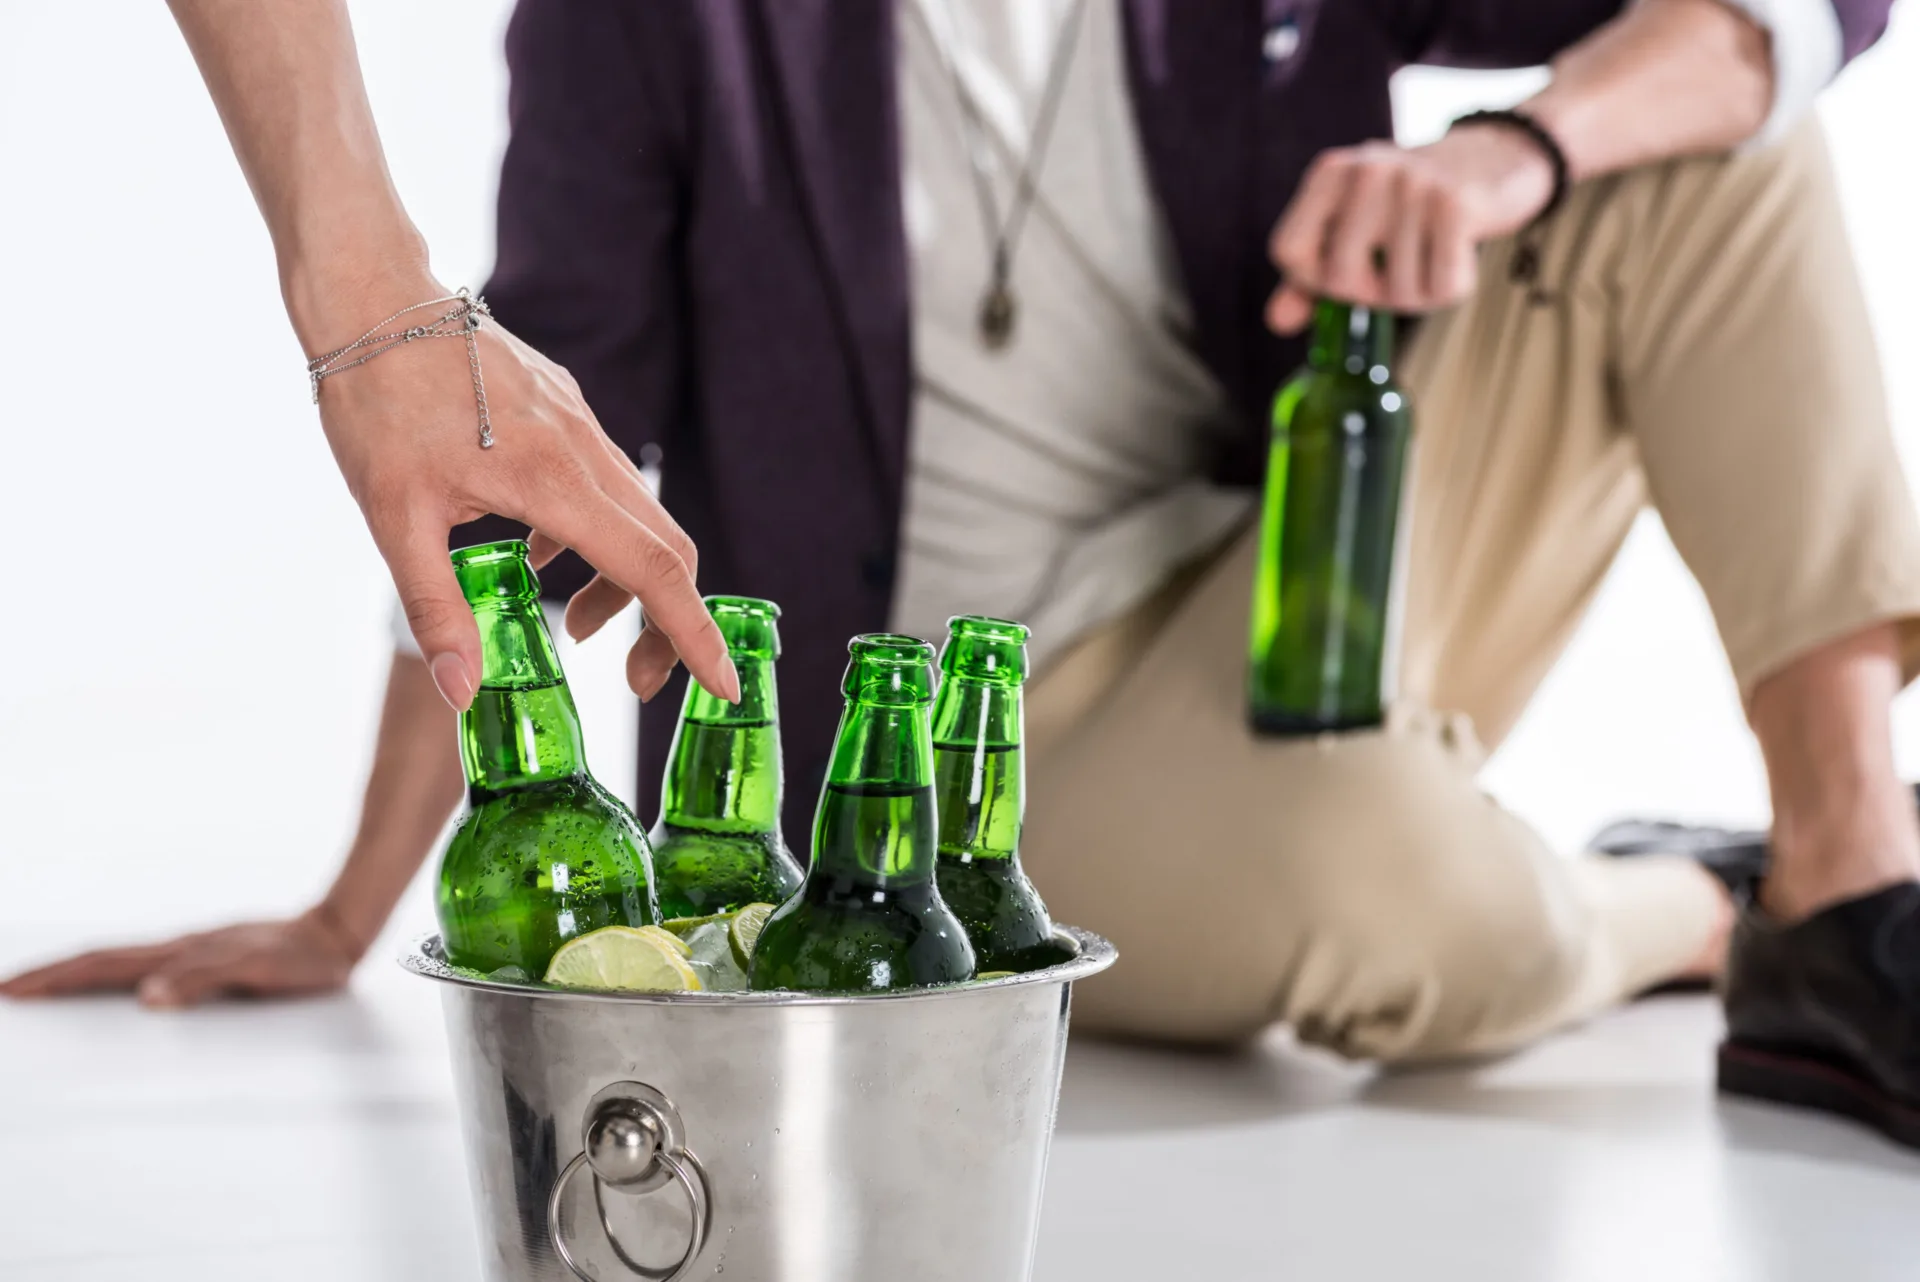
{"type": "Point", "coordinates": [1807, 55]}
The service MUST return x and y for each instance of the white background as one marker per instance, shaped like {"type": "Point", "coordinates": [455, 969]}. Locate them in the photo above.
{"type": "Point", "coordinates": [194, 629]}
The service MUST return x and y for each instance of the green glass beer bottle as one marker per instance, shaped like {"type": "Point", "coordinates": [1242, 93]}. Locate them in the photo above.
{"type": "Point", "coordinates": [1323, 594]}
{"type": "Point", "coordinates": [718, 846]}
{"type": "Point", "coordinates": [979, 788]}
{"type": "Point", "coordinates": [869, 915]}
{"type": "Point", "coordinates": [543, 852]}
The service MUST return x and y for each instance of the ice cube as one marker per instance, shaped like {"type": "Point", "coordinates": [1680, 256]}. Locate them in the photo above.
{"type": "Point", "coordinates": [713, 959]}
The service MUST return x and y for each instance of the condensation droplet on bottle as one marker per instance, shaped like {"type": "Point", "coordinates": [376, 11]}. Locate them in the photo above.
{"type": "Point", "coordinates": [749, 1143]}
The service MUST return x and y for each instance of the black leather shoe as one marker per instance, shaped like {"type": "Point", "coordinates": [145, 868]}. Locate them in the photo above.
{"type": "Point", "coordinates": [1738, 858]}
{"type": "Point", "coordinates": [1825, 1013]}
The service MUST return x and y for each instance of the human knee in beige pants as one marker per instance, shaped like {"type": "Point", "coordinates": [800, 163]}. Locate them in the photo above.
{"type": "Point", "coordinates": [1318, 882]}
{"type": "Point", "coordinates": [1360, 887]}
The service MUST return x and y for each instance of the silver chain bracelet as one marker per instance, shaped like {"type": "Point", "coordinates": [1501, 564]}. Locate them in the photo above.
{"type": "Point", "coordinates": [461, 320]}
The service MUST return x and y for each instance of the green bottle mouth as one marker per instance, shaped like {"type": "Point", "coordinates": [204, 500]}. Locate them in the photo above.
{"type": "Point", "coordinates": [753, 605]}
{"type": "Point", "coordinates": [982, 648]}
{"type": "Point", "coordinates": [889, 670]}
{"type": "Point", "coordinates": [988, 628]}
{"type": "Point", "coordinates": [1352, 338]}
{"type": "Point", "coordinates": [493, 572]}
{"type": "Point", "coordinates": [889, 647]}
{"type": "Point", "coordinates": [749, 625]}
{"type": "Point", "coordinates": [501, 550]}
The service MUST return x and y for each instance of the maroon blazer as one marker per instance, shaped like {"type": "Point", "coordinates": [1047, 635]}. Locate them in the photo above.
{"type": "Point", "coordinates": [700, 217]}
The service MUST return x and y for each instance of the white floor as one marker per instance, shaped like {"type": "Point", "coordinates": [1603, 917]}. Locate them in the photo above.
{"type": "Point", "coordinates": [317, 1142]}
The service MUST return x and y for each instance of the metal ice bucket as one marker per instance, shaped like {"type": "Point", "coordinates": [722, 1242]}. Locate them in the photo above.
{"type": "Point", "coordinates": [769, 1137]}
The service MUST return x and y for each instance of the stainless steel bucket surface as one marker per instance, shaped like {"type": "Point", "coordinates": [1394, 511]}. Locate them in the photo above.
{"type": "Point", "coordinates": [770, 1137]}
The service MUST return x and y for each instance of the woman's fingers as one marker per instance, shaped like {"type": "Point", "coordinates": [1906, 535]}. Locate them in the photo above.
{"type": "Point", "coordinates": [286, 958]}
{"type": "Point", "coordinates": [294, 958]}
{"type": "Point", "coordinates": [403, 437]}
{"type": "Point", "coordinates": [668, 629]}
{"type": "Point", "coordinates": [415, 548]}
{"type": "Point", "coordinates": [597, 603]}
{"type": "Point", "coordinates": [593, 606]}
{"type": "Point", "coordinates": [637, 559]}
{"type": "Point", "coordinates": [106, 970]}
{"type": "Point", "coordinates": [192, 978]}
{"type": "Point", "coordinates": [541, 549]}
{"type": "Point", "coordinates": [653, 656]}
{"type": "Point", "coordinates": [628, 487]}
{"type": "Point", "coordinates": [650, 663]}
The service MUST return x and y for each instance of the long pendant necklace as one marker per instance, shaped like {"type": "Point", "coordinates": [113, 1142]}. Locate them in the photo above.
{"type": "Point", "coordinates": [999, 305]}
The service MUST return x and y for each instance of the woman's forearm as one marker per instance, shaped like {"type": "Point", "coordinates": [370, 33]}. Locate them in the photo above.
{"type": "Point", "coordinates": [285, 77]}
{"type": "Point", "coordinates": [413, 786]}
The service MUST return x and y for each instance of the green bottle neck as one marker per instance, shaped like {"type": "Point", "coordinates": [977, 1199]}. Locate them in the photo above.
{"type": "Point", "coordinates": [883, 749]}
{"type": "Point", "coordinates": [876, 817]}
{"type": "Point", "coordinates": [977, 732]}
{"type": "Point", "coordinates": [1351, 340]}
{"type": "Point", "coordinates": [723, 771]}
{"type": "Point", "coordinates": [522, 727]}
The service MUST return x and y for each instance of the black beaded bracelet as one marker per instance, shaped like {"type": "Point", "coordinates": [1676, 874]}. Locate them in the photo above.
{"type": "Point", "coordinates": [1548, 144]}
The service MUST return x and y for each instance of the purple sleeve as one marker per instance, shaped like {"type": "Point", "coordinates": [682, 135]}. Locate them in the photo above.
{"type": "Point", "coordinates": [1513, 33]}
{"type": "Point", "coordinates": [589, 216]}
{"type": "Point", "coordinates": [590, 194]}
{"type": "Point", "coordinates": [1489, 33]}
{"type": "Point", "coordinates": [1862, 22]}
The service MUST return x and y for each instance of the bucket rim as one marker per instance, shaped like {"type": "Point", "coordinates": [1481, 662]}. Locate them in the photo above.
{"type": "Point", "coordinates": [425, 958]}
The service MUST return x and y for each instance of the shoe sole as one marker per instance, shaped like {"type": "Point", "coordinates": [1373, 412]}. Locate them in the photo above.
{"type": "Point", "coordinates": [1804, 1082]}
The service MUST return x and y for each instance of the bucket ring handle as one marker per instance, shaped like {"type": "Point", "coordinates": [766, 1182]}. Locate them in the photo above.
{"type": "Point", "coordinates": [632, 1140]}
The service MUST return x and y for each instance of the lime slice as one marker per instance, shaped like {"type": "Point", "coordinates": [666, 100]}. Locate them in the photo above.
{"type": "Point", "coordinates": [684, 926]}
{"type": "Point", "coordinates": [625, 959]}
{"type": "Point", "coordinates": [668, 938]}
{"type": "Point", "coordinates": [744, 931]}
{"type": "Point", "coordinates": [993, 974]}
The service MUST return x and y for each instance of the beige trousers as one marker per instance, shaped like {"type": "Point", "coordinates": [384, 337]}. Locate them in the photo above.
{"type": "Point", "coordinates": [1696, 339]}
